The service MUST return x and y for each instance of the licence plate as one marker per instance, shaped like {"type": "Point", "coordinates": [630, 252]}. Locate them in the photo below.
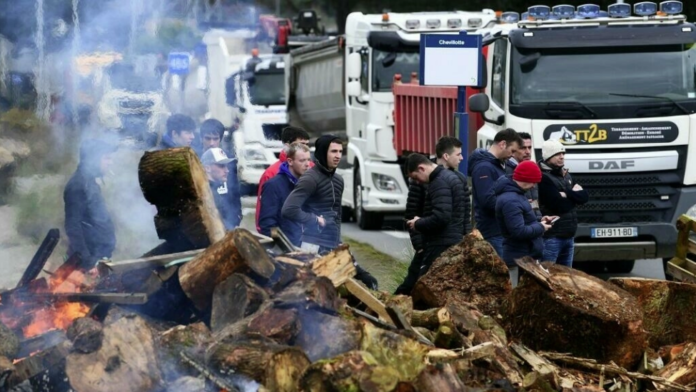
{"type": "Point", "coordinates": [614, 232]}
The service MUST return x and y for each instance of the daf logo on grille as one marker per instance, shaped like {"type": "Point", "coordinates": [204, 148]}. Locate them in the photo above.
{"type": "Point", "coordinates": [612, 165]}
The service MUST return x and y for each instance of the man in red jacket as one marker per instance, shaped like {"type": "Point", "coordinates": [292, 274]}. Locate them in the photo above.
{"type": "Point", "coordinates": [289, 136]}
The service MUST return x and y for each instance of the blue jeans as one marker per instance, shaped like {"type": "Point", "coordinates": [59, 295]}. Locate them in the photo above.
{"type": "Point", "coordinates": [559, 250]}
{"type": "Point", "coordinates": [497, 244]}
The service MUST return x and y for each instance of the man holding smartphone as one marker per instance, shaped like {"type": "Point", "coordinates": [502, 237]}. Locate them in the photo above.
{"type": "Point", "coordinates": [559, 195]}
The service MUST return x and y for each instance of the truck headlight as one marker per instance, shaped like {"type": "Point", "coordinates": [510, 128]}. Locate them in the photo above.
{"type": "Point", "coordinates": [385, 183]}
{"type": "Point", "coordinates": [254, 154]}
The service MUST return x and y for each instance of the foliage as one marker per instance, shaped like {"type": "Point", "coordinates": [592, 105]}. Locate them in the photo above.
{"type": "Point", "coordinates": [388, 271]}
{"type": "Point", "coordinates": [39, 209]}
{"type": "Point", "coordinates": [171, 35]}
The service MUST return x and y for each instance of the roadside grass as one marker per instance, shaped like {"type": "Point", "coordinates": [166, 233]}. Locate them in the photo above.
{"type": "Point", "coordinates": [389, 271]}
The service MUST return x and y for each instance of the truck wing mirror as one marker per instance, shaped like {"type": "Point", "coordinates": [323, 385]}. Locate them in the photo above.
{"type": "Point", "coordinates": [479, 103]}
{"type": "Point", "coordinates": [353, 67]}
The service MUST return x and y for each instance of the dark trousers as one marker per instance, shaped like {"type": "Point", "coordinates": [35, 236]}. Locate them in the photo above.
{"type": "Point", "coordinates": [419, 266]}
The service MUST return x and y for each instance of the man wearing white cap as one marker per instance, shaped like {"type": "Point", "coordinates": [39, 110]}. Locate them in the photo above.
{"type": "Point", "coordinates": [559, 195]}
{"type": "Point", "coordinates": [216, 164]}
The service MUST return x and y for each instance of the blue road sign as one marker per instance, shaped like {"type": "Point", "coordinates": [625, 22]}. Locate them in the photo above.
{"type": "Point", "coordinates": [179, 63]}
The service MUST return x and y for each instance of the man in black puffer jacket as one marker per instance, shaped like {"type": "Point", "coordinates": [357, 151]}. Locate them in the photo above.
{"type": "Point", "coordinates": [415, 204]}
{"type": "Point", "coordinates": [449, 154]}
{"type": "Point", "coordinates": [442, 223]}
{"type": "Point", "coordinates": [559, 195]}
{"type": "Point", "coordinates": [315, 203]}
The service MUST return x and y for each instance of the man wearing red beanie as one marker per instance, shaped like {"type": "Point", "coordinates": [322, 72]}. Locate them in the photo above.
{"type": "Point", "coordinates": [522, 232]}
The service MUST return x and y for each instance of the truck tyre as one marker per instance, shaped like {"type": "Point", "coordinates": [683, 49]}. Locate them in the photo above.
{"type": "Point", "coordinates": [366, 220]}
{"type": "Point", "coordinates": [621, 266]}
{"type": "Point", "coordinates": [346, 214]}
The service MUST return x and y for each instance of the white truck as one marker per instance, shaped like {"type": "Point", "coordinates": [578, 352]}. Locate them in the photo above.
{"type": "Point", "coordinates": [619, 90]}
{"type": "Point", "coordinates": [246, 92]}
{"type": "Point", "coordinates": [343, 86]}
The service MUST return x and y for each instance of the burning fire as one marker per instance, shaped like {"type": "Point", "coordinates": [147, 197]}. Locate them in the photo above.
{"type": "Point", "coordinates": [52, 315]}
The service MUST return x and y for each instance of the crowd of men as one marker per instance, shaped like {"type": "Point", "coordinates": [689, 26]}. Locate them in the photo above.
{"type": "Point", "coordinates": [522, 208]}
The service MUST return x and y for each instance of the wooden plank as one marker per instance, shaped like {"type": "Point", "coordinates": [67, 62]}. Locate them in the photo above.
{"type": "Point", "coordinates": [289, 261]}
{"type": "Point", "coordinates": [110, 298]}
{"type": "Point", "coordinates": [282, 241]}
{"type": "Point", "coordinates": [367, 298]}
{"type": "Point", "coordinates": [401, 322]}
{"type": "Point", "coordinates": [682, 270]}
{"type": "Point", "coordinates": [39, 362]}
{"type": "Point", "coordinates": [146, 262]}
{"type": "Point", "coordinates": [40, 257]}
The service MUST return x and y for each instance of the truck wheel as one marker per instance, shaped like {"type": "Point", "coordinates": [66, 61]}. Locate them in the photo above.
{"type": "Point", "coordinates": [346, 214]}
{"type": "Point", "coordinates": [621, 266]}
{"type": "Point", "coordinates": [365, 219]}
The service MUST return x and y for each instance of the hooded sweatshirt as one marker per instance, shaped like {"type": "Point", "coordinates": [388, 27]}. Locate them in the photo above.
{"type": "Point", "coordinates": [522, 232]}
{"type": "Point", "coordinates": [484, 170]}
{"type": "Point", "coordinates": [318, 193]}
{"type": "Point", "coordinates": [88, 223]}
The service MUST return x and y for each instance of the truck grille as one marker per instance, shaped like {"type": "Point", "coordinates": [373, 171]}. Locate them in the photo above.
{"type": "Point", "coordinates": [628, 198]}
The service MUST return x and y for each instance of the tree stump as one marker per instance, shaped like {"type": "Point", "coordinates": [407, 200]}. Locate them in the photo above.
{"type": "Point", "coordinates": [238, 251]}
{"type": "Point", "coordinates": [126, 361]}
{"type": "Point", "coordinates": [86, 335]}
{"type": "Point", "coordinates": [579, 314]}
{"type": "Point", "coordinates": [669, 309]}
{"type": "Point", "coordinates": [317, 292]}
{"type": "Point", "coordinates": [235, 298]}
{"type": "Point", "coordinates": [176, 183]}
{"type": "Point", "coordinates": [470, 272]}
{"type": "Point", "coordinates": [323, 336]}
{"type": "Point", "coordinates": [440, 378]}
{"type": "Point", "coordinates": [277, 367]}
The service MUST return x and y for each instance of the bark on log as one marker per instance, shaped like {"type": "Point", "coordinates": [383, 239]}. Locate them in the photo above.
{"type": "Point", "coordinates": [235, 298]}
{"type": "Point", "coordinates": [582, 315]}
{"type": "Point", "coordinates": [681, 369]}
{"type": "Point", "coordinates": [353, 371]}
{"type": "Point", "coordinates": [669, 309]}
{"type": "Point", "coordinates": [405, 355]}
{"type": "Point", "coordinates": [126, 361]}
{"type": "Point", "coordinates": [238, 251]}
{"type": "Point", "coordinates": [470, 272]}
{"type": "Point", "coordinates": [9, 342]}
{"type": "Point", "coordinates": [277, 367]}
{"type": "Point", "coordinates": [85, 334]}
{"type": "Point", "coordinates": [174, 180]}
{"type": "Point", "coordinates": [281, 325]}
{"type": "Point", "coordinates": [426, 318]}
{"type": "Point", "coordinates": [439, 378]}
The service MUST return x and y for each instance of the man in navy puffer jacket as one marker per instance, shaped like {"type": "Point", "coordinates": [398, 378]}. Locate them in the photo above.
{"type": "Point", "coordinates": [522, 232]}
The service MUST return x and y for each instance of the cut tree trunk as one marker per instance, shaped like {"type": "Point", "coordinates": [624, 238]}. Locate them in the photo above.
{"type": "Point", "coordinates": [669, 309]}
{"type": "Point", "coordinates": [440, 378]}
{"type": "Point", "coordinates": [470, 272]}
{"type": "Point", "coordinates": [85, 334]}
{"type": "Point", "coordinates": [580, 314]}
{"type": "Point", "coordinates": [277, 367]}
{"type": "Point", "coordinates": [176, 183]}
{"type": "Point", "coordinates": [235, 298]}
{"type": "Point", "coordinates": [323, 336]}
{"type": "Point", "coordinates": [126, 361]}
{"type": "Point", "coordinates": [191, 339]}
{"type": "Point", "coordinates": [315, 292]}
{"type": "Point", "coordinates": [238, 251]}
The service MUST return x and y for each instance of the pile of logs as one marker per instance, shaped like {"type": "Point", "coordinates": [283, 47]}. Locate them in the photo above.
{"type": "Point", "coordinates": [215, 311]}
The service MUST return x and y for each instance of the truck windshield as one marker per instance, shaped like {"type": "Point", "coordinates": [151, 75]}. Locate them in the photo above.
{"type": "Point", "coordinates": [604, 76]}
{"type": "Point", "coordinates": [268, 89]}
{"type": "Point", "coordinates": [387, 64]}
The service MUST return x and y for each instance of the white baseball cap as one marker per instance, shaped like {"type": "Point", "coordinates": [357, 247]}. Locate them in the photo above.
{"type": "Point", "coordinates": [215, 156]}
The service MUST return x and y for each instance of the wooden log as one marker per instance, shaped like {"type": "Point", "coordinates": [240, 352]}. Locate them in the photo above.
{"type": "Point", "coordinates": [669, 309]}
{"type": "Point", "coordinates": [86, 334]}
{"type": "Point", "coordinates": [352, 371]}
{"type": "Point", "coordinates": [535, 382]}
{"type": "Point", "coordinates": [426, 318]}
{"type": "Point", "coordinates": [238, 251]}
{"type": "Point", "coordinates": [337, 265]}
{"type": "Point", "coordinates": [680, 369]}
{"type": "Point", "coordinates": [470, 272]}
{"type": "Point", "coordinates": [9, 342]}
{"type": "Point", "coordinates": [41, 342]}
{"type": "Point", "coordinates": [233, 299]}
{"type": "Point", "coordinates": [440, 378]}
{"type": "Point", "coordinates": [40, 257]}
{"type": "Point", "coordinates": [316, 292]}
{"type": "Point", "coordinates": [126, 361]}
{"type": "Point", "coordinates": [281, 325]}
{"type": "Point", "coordinates": [277, 367]}
{"type": "Point", "coordinates": [405, 355]}
{"type": "Point", "coordinates": [364, 295]}
{"type": "Point", "coordinates": [34, 365]}
{"type": "Point", "coordinates": [543, 368]}
{"type": "Point", "coordinates": [581, 315]}
{"type": "Point", "coordinates": [174, 180]}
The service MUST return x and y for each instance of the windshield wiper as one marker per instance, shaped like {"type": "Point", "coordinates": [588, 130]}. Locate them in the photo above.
{"type": "Point", "coordinates": [571, 104]}
{"type": "Point", "coordinates": [675, 103]}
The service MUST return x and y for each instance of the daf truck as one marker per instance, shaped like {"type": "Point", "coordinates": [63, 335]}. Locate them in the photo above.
{"type": "Point", "coordinates": [618, 89]}
{"type": "Point", "coordinates": [343, 86]}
